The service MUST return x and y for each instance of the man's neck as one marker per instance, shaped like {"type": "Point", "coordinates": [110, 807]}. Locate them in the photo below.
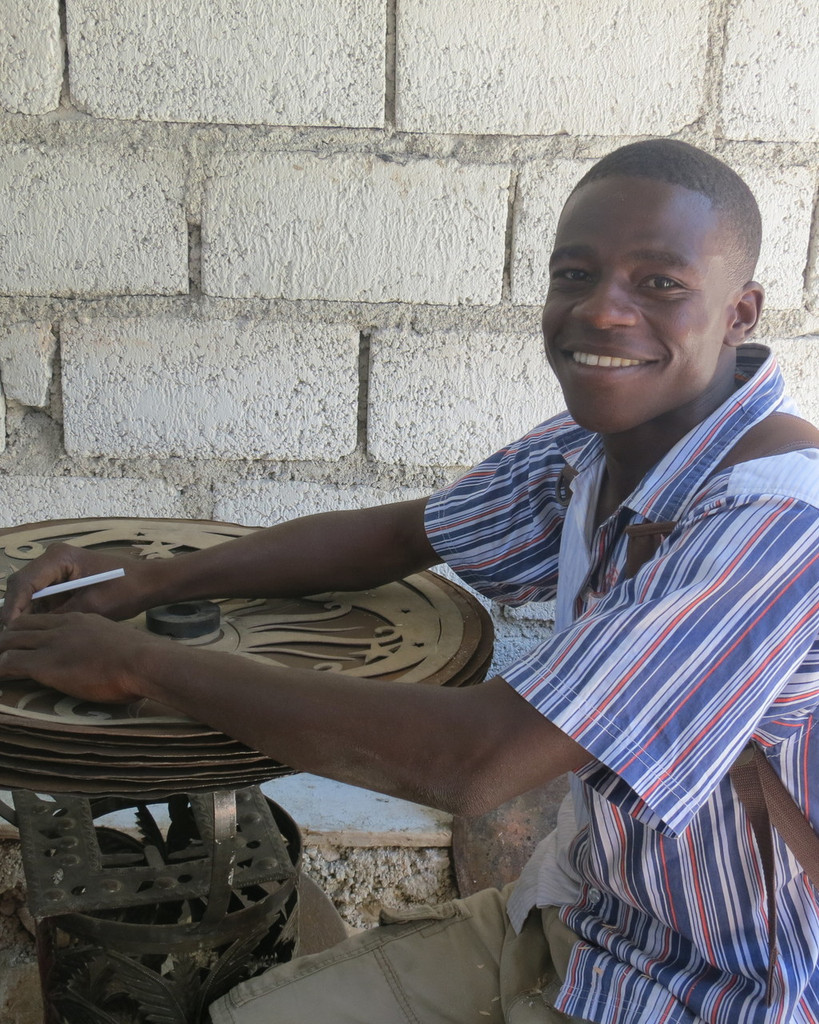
{"type": "Point", "coordinates": [632, 454]}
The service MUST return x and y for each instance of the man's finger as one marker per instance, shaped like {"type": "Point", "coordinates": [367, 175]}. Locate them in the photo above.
{"type": "Point", "coordinates": [18, 664]}
{"type": "Point", "coordinates": [14, 606]}
{"type": "Point", "coordinates": [21, 640]}
{"type": "Point", "coordinates": [39, 621]}
{"type": "Point", "coordinates": [29, 634]}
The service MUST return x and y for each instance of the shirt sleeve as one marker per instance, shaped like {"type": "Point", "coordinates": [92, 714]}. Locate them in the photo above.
{"type": "Point", "coordinates": [499, 525]}
{"type": "Point", "coordinates": [666, 677]}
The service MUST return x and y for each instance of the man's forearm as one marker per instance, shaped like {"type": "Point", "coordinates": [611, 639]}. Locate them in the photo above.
{"type": "Point", "coordinates": [462, 750]}
{"type": "Point", "coordinates": [331, 551]}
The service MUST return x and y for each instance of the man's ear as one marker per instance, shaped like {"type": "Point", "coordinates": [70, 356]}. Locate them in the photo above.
{"type": "Point", "coordinates": [745, 314]}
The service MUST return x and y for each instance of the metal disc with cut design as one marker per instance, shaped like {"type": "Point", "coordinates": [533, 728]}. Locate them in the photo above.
{"type": "Point", "coordinates": [421, 629]}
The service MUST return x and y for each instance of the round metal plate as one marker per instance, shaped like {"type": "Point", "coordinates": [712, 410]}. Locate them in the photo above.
{"type": "Point", "coordinates": [423, 629]}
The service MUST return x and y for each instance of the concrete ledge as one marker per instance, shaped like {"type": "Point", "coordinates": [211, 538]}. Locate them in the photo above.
{"type": "Point", "coordinates": [342, 815]}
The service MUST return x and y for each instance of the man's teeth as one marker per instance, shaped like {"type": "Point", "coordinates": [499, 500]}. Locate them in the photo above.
{"type": "Point", "coordinates": [587, 359]}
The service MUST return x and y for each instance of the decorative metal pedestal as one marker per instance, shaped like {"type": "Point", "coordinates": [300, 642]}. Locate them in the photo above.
{"type": "Point", "coordinates": [150, 928]}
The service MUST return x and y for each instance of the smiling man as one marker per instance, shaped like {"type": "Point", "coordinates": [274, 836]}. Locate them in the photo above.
{"type": "Point", "coordinates": [647, 904]}
{"type": "Point", "coordinates": [643, 283]}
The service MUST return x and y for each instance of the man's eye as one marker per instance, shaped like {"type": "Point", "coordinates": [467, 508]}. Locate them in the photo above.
{"type": "Point", "coordinates": [570, 274]}
{"type": "Point", "coordinates": [661, 283]}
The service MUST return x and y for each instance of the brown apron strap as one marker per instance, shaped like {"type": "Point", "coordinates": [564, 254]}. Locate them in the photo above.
{"type": "Point", "coordinates": [745, 776]}
{"type": "Point", "coordinates": [775, 435]}
{"type": "Point", "coordinates": [767, 802]}
{"type": "Point", "coordinates": [788, 819]}
{"type": "Point", "coordinates": [643, 541]}
{"type": "Point", "coordinates": [563, 491]}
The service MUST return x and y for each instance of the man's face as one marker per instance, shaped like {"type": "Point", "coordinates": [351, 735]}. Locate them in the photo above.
{"type": "Point", "coordinates": [639, 318]}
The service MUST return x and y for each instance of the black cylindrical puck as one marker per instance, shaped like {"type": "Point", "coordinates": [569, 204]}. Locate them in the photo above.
{"type": "Point", "coordinates": [185, 620]}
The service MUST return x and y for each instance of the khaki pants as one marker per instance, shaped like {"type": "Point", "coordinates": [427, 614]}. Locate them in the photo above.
{"type": "Point", "coordinates": [455, 963]}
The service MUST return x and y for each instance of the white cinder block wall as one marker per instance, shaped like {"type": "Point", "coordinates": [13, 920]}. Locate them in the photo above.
{"type": "Point", "coordinates": [269, 258]}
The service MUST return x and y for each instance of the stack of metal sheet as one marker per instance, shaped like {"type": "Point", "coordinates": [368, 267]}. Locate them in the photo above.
{"type": "Point", "coordinates": [424, 629]}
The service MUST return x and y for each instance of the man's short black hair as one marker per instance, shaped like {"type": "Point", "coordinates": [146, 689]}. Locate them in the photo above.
{"type": "Point", "coordinates": [681, 164]}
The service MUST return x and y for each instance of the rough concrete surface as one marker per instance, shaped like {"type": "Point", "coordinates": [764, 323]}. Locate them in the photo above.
{"type": "Point", "coordinates": [786, 198]}
{"type": "Point", "coordinates": [540, 195]}
{"type": "Point", "coordinates": [771, 76]}
{"type": "Point", "coordinates": [87, 222]}
{"type": "Point", "coordinates": [360, 881]}
{"type": "Point", "coordinates": [31, 60]}
{"type": "Point", "coordinates": [250, 63]}
{"type": "Point", "coordinates": [32, 499]}
{"type": "Point", "coordinates": [349, 227]}
{"type": "Point", "coordinates": [522, 68]}
{"type": "Point", "coordinates": [232, 389]}
{"type": "Point", "coordinates": [27, 354]}
{"type": "Point", "coordinates": [480, 390]}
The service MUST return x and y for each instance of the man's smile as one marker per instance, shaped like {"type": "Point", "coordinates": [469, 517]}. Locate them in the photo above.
{"type": "Point", "coordinates": [590, 359]}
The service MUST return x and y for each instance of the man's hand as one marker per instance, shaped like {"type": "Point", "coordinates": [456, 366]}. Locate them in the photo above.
{"type": "Point", "coordinates": [116, 599]}
{"type": "Point", "coordinates": [86, 656]}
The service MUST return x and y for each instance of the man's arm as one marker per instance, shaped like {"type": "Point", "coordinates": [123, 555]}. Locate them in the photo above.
{"type": "Point", "coordinates": [463, 750]}
{"type": "Point", "coordinates": [332, 551]}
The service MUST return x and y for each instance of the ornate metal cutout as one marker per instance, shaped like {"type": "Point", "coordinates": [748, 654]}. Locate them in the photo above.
{"type": "Point", "coordinates": [69, 869]}
{"type": "Point", "coordinates": [152, 928]}
{"type": "Point", "coordinates": [422, 629]}
{"type": "Point", "coordinates": [412, 630]}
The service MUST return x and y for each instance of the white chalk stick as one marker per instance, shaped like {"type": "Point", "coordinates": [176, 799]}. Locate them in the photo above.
{"type": "Point", "coordinates": [83, 581]}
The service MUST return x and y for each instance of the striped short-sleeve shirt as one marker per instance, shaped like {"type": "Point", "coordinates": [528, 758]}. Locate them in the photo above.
{"type": "Point", "coordinates": [663, 678]}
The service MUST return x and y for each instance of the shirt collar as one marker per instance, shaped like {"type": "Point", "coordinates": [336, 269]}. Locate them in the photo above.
{"type": "Point", "coordinates": [679, 473]}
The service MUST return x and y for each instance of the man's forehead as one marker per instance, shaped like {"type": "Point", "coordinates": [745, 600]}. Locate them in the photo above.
{"type": "Point", "coordinates": [645, 215]}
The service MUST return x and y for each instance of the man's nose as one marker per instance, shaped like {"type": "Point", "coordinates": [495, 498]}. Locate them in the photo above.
{"type": "Point", "coordinates": [607, 304]}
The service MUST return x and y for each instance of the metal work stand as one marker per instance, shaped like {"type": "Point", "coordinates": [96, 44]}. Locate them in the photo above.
{"type": "Point", "coordinates": [152, 927]}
